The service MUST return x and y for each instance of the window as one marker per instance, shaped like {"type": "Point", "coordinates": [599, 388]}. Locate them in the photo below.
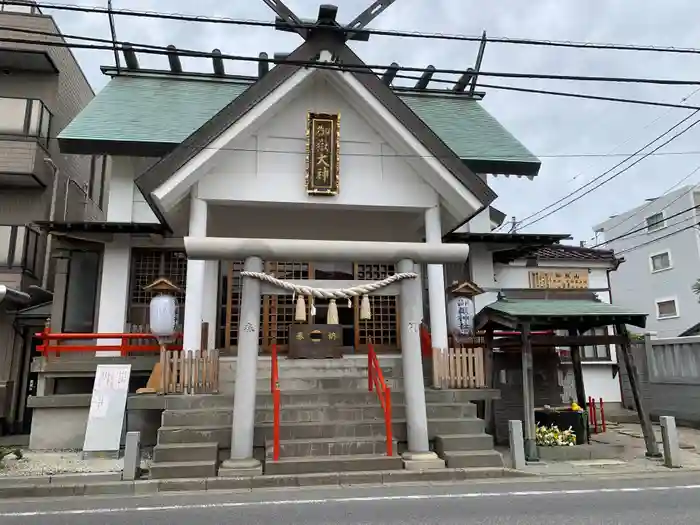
{"type": "Point", "coordinates": [81, 292]}
{"type": "Point", "coordinates": [588, 353]}
{"type": "Point", "coordinates": [13, 8]}
{"type": "Point", "coordinates": [655, 222]}
{"type": "Point", "coordinates": [25, 117]}
{"type": "Point", "coordinates": [596, 352]}
{"type": "Point", "coordinates": [666, 309]}
{"type": "Point", "coordinates": [660, 261]}
{"type": "Point", "coordinates": [18, 248]}
{"type": "Point", "coordinates": [14, 115]}
{"type": "Point", "coordinates": [98, 168]}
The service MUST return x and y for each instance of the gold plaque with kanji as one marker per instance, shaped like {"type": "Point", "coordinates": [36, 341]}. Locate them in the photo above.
{"type": "Point", "coordinates": [322, 154]}
{"type": "Point", "coordinates": [570, 279]}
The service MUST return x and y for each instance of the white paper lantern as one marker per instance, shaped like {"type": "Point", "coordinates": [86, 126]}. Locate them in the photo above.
{"type": "Point", "coordinates": [163, 315]}
{"type": "Point", "coordinates": [460, 316]}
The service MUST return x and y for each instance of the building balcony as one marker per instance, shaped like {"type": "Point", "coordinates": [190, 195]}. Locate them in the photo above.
{"type": "Point", "coordinates": [19, 250]}
{"type": "Point", "coordinates": [24, 134]}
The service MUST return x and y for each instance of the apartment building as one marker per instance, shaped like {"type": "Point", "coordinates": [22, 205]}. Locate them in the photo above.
{"type": "Point", "coordinates": [42, 88]}
{"type": "Point", "coordinates": [660, 243]}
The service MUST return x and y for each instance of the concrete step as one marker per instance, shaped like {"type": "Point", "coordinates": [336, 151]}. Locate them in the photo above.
{"type": "Point", "coordinates": [332, 464]}
{"type": "Point", "coordinates": [186, 402]}
{"type": "Point", "coordinates": [304, 448]}
{"type": "Point", "coordinates": [361, 429]}
{"type": "Point", "coordinates": [323, 413]}
{"type": "Point", "coordinates": [362, 396]}
{"type": "Point", "coordinates": [473, 459]}
{"type": "Point", "coordinates": [442, 426]}
{"type": "Point", "coordinates": [462, 443]}
{"type": "Point", "coordinates": [181, 452]}
{"type": "Point", "coordinates": [325, 382]}
{"type": "Point", "coordinates": [362, 412]}
{"type": "Point", "coordinates": [217, 416]}
{"type": "Point", "coordinates": [183, 469]}
{"type": "Point", "coordinates": [221, 435]}
{"type": "Point", "coordinates": [307, 372]}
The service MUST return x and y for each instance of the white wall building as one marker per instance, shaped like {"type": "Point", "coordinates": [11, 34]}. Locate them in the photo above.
{"type": "Point", "coordinates": [660, 243]}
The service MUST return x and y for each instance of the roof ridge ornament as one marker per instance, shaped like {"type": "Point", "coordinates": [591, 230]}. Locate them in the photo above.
{"type": "Point", "coordinates": [288, 21]}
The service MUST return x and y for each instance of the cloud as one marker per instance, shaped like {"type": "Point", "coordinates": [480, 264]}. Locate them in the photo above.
{"type": "Point", "coordinates": [548, 125]}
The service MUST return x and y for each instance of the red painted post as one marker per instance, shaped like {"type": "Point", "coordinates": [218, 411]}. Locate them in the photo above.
{"type": "Point", "coordinates": [602, 415]}
{"type": "Point", "coordinates": [595, 416]}
{"type": "Point", "coordinates": [387, 422]}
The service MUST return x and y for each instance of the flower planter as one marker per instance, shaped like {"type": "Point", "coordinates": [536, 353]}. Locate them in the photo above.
{"type": "Point", "coordinates": [564, 419]}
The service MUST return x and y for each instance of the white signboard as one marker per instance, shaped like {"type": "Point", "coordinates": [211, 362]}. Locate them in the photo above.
{"type": "Point", "coordinates": [107, 408]}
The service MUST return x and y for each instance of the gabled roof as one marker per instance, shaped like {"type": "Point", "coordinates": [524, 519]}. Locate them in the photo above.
{"type": "Point", "coordinates": [255, 93]}
{"type": "Point", "coordinates": [557, 313]}
{"type": "Point", "coordinates": [559, 252]}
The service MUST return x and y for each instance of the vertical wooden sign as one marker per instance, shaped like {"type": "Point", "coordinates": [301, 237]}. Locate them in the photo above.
{"type": "Point", "coordinates": [322, 154]}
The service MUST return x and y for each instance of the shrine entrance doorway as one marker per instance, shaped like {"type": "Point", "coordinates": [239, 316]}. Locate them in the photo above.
{"type": "Point", "coordinates": [278, 311]}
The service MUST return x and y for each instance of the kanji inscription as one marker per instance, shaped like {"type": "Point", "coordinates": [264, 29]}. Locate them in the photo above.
{"type": "Point", "coordinates": [322, 154]}
{"type": "Point", "coordinates": [575, 279]}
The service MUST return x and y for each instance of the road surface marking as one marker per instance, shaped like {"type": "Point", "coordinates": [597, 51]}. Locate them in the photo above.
{"type": "Point", "coordinates": [358, 499]}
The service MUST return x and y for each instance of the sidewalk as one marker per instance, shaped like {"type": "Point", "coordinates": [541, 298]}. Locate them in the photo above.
{"type": "Point", "coordinates": [632, 461]}
{"type": "Point", "coordinates": [61, 474]}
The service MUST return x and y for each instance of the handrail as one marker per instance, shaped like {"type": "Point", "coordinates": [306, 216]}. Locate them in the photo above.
{"type": "Point", "coordinates": [123, 346]}
{"type": "Point", "coordinates": [275, 389]}
{"type": "Point", "coordinates": [376, 381]}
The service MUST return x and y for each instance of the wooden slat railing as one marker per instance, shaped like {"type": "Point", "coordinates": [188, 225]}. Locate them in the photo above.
{"type": "Point", "coordinates": [458, 367]}
{"type": "Point", "coordinates": [194, 372]}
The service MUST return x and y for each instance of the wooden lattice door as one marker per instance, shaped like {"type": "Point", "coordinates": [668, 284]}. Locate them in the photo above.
{"type": "Point", "coordinates": [147, 265]}
{"type": "Point", "coordinates": [277, 310]}
{"type": "Point", "coordinates": [383, 327]}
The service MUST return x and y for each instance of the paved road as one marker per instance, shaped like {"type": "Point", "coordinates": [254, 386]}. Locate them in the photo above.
{"type": "Point", "coordinates": [667, 500]}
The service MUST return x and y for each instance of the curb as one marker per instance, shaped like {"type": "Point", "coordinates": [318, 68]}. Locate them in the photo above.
{"type": "Point", "coordinates": [112, 485]}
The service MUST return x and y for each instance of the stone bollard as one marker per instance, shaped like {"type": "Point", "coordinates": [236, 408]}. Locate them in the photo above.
{"type": "Point", "coordinates": [517, 444]}
{"type": "Point", "coordinates": [132, 457]}
{"type": "Point", "coordinates": [669, 436]}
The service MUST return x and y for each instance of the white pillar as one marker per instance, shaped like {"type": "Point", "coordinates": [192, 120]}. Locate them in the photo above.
{"type": "Point", "coordinates": [210, 299]}
{"type": "Point", "coordinates": [242, 461]}
{"type": "Point", "coordinates": [436, 282]}
{"type": "Point", "coordinates": [194, 292]}
{"type": "Point", "coordinates": [419, 455]}
{"type": "Point", "coordinates": [114, 291]}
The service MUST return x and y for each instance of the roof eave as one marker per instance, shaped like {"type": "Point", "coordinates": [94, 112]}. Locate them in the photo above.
{"type": "Point", "coordinates": [219, 123]}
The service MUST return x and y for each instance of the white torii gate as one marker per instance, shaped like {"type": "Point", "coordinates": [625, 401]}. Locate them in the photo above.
{"type": "Point", "coordinates": [254, 251]}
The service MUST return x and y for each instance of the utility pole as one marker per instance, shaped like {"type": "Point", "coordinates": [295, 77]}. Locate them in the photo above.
{"type": "Point", "coordinates": [513, 225]}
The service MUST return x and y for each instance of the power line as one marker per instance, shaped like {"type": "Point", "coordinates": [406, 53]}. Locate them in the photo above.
{"type": "Point", "coordinates": [676, 232]}
{"type": "Point", "coordinates": [160, 50]}
{"type": "Point", "coordinates": [378, 32]}
{"type": "Point", "coordinates": [615, 175]}
{"type": "Point", "coordinates": [646, 227]}
{"type": "Point", "coordinates": [648, 125]}
{"type": "Point", "coordinates": [648, 204]}
{"type": "Point", "coordinates": [632, 155]}
{"type": "Point", "coordinates": [611, 169]}
{"type": "Point", "coordinates": [150, 49]}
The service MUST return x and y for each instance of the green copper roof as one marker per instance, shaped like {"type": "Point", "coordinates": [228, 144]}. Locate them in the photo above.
{"type": "Point", "coordinates": [556, 313]}
{"type": "Point", "coordinates": [166, 110]}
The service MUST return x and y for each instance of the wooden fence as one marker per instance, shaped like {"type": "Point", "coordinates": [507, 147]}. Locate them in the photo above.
{"type": "Point", "coordinates": [458, 367]}
{"type": "Point", "coordinates": [190, 372]}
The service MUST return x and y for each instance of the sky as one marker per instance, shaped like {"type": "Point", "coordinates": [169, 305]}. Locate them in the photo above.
{"type": "Point", "coordinates": [563, 132]}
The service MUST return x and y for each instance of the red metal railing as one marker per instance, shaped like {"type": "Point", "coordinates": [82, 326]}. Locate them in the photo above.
{"type": "Point", "coordinates": [124, 346]}
{"type": "Point", "coordinates": [275, 389]}
{"type": "Point", "coordinates": [593, 414]}
{"type": "Point", "coordinates": [376, 381]}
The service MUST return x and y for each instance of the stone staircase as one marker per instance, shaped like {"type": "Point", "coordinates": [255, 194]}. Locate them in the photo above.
{"type": "Point", "coordinates": [329, 423]}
